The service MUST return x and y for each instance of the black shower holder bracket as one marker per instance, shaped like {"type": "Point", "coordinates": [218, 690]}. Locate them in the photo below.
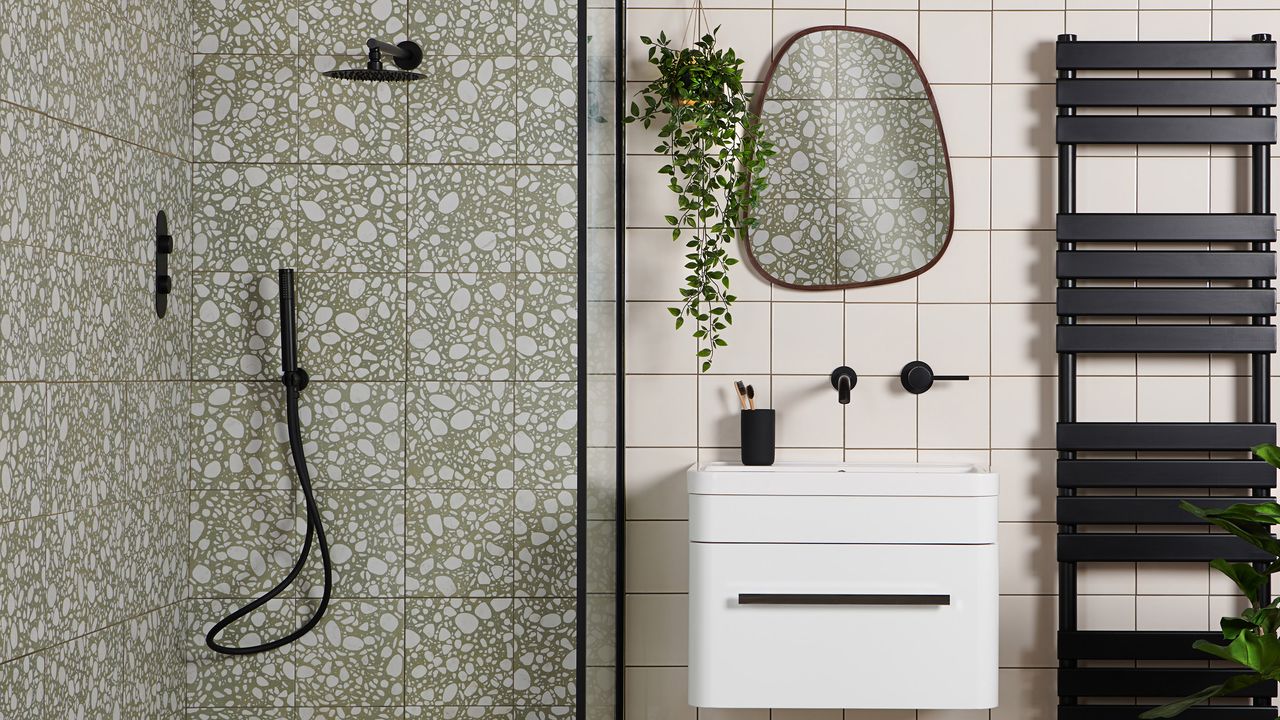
{"type": "Point", "coordinates": [164, 246]}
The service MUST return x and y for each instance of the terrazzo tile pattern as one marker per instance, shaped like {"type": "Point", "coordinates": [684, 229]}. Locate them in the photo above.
{"type": "Point", "coordinates": [93, 392]}
{"type": "Point", "coordinates": [433, 226]}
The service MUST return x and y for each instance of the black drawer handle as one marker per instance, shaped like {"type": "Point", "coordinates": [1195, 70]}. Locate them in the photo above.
{"type": "Point", "coordinates": [839, 599]}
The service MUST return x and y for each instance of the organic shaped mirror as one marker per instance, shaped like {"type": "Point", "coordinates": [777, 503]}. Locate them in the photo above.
{"type": "Point", "coordinates": [859, 192]}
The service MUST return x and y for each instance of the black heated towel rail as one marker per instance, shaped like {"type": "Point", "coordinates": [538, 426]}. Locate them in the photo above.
{"type": "Point", "coordinates": [1180, 283]}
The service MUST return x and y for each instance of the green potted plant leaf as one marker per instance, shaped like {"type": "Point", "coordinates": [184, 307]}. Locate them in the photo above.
{"type": "Point", "coordinates": [1251, 639]}
{"type": "Point", "coordinates": [714, 168]}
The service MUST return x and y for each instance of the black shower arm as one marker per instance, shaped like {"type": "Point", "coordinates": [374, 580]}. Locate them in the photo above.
{"type": "Point", "coordinates": [387, 48]}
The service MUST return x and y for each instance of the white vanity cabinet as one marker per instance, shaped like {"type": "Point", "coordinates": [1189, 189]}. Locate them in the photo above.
{"type": "Point", "coordinates": [842, 586]}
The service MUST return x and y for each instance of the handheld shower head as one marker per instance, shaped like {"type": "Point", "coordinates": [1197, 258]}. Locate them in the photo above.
{"type": "Point", "coordinates": [406, 55]}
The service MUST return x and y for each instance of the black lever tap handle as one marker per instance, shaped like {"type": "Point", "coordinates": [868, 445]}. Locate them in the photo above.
{"type": "Point", "coordinates": [918, 377]}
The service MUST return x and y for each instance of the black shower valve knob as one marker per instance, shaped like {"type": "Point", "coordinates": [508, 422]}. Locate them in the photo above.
{"type": "Point", "coordinates": [164, 284]}
{"type": "Point", "coordinates": [164, 244]}
{"type": "Point", "coordinates": [918, 377]}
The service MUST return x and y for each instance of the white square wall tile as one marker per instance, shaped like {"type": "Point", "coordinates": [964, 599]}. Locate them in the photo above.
{"type": "Point", "coordinates": [955, 47]}
{"type": "Point", "coordinates": [850, 714]}
{"type": "Point", "coordinates": [649, 201]}
{"type": "Point", "coordinates": [719, 411]}
{"type": "Point", "coordinates": [788, 22]}
{"type": "Point", "coordinates": [1106, 579]}
{"type": "Point", "coordinates": [1024, 45]}
{"type": "Point", "coordinates": [881, 415]}
{"type": "Point", "coordinates": [1175, 25]}
{"type": "Point", "coordinates": [733, 714]}
{"type": "Point", "coordinates": [657, 630]}
{"type": "Point", "coordinates": [748, 350]}
{"type": "Point", "coordinates": [655, 266]}
{"type": "Point", "coordinates": [963, 273]}
{"type": "Point", "coordinates": [1022, 339]}
{"type": "Point", "coordinates": [657, 556]}
{"type": "Point", "coordinates": [654, 345]}
{"type": "Point", "coordinates": [1172, 612]}
{"type": "Point", "coordinates": [1028, 694]}
{"type": "Point", "coordinates": [889, 18]}
{"type": "Point", "coordinates": [808, 414]}
{"type": "Point", "coordinates": [1023, 412]}
{"type": "Point", "coordinates": [1028, 554]}
{"type": "Point", "coordinates": [1028, 484]}
{"type": "Point", "coordinates": [1023, 194]}
{"type": "Point", "coordinates": [1028, 631]}
{"type": "Point", "coordinates": [1173, 185]}
{"type": "Point", "coordinates": [658, 693]}
{"type": "Point", "coordinates": [1106, 612]}
{"type": "Point", "coordinates": [805, 714]}
{"type": "Point", "coordinates": [955, 415]}
{"type": "Point", "coordinates": [966, 118]}
{"type": "Point", "coordinates": [1173, 399]}
{"type": "Point", "coordinates": [1022, 266]}
{"type": "Point", "coordinates": [655, 482]}
{"type": "Point", "coordinates": [1106, 399]}
{"type": "Point", "coordinates": [807, 337]}
{"type": "Point", "coordinates": [1103, 19]}
{"type": "Point", "coordinates": [1022, 122]}
{"type": "Point", "coordinates": [1173, 579]}
{"type": "Point", "coordinates": [880, 338]}
{"type": "Point", "coordinates": [971, 193]}
{"type": "Point", "coordinates": [662, 411]}
{"type": "Point", "coordinates": [1106, 185]}
{"type": "Point", "coordinates": [955, 338]}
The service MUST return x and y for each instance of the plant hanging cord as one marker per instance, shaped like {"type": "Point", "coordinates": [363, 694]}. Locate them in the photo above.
{"type": "Point", "coordinates": [698, 22]}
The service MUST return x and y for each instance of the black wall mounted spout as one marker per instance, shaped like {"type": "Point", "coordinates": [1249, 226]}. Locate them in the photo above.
{"type": "Point", "coordinates": [844, 379]}
{"type": "Point", "coordinates": [294, 380]}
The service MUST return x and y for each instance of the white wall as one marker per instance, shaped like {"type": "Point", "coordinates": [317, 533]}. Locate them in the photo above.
{"type": "Point", "coordinates": [986, 310]}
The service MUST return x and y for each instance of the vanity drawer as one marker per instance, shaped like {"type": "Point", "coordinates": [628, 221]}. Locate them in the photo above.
{"type": "Point", "coordinates": [842, 519]}
{"type": "Point", "coordinates": [843, 626]}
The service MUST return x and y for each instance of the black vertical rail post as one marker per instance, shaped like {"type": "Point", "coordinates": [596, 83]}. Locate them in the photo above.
{"type": "Point", "coordinates": [1066, 376]}
{"type": "Point", "coordinates": [1260, 406]}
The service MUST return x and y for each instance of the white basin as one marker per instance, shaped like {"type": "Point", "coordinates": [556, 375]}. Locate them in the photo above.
{"type": "Point", "coordinates": [863, 479]}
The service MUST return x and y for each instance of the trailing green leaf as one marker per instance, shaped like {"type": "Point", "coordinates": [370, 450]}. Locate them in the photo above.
{"type": "Point", "coordinates": [716, 161]}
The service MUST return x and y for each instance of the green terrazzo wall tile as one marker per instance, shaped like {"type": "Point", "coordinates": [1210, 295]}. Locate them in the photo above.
{"type": "Point", "coordinates": [356, 656]}
{"type": "Point", "coordinates": [463, 218]}
{"type": "Point", "coordinates": [262, 680]}
{"type": "Point", "coordinates": [351, 218]}
{"type": "Point", "coordinates": [246, 26]}
{"type": "Point", "coordinates": [461, 326]}
{"type": "Point", "coordinates": [546, 538]}
{"type": "Point", "coordinates": [459, 543]}
{"type": "Point", "coordinates": [546, 231]}
{"type": "Point", "coordinates": [366, 534]}
{"type": "Point", "coordinates": [546, 436]}
{"type": "Point", "coordinates": [459, 435]}
{"type": "Point", "coordinates": [240, 216]}
{"type": "Point", "coordinates": [245, 108]}
{"type": "Point", "coordinates": [344, 121]}
{"type": "Point", "coordinates": [460, 652]}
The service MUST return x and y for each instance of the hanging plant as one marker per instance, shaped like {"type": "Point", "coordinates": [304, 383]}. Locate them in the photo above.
{"type": "Point", "coordinates": [710, 136]}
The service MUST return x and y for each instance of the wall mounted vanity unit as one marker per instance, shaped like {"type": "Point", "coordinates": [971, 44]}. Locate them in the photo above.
{"type": "Point", "coordinates": [842, 586]}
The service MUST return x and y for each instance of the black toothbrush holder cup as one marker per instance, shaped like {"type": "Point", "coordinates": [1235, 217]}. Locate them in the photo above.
{"type": "Point", "coordinates": [758, 430]}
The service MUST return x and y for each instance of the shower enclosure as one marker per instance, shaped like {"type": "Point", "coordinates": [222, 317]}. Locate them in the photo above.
{"type": "Point", "coordinates": [454, 252]}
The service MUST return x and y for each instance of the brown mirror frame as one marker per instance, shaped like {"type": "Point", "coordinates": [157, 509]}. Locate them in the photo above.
{"type": "Point", "coordinates": [757, 105]}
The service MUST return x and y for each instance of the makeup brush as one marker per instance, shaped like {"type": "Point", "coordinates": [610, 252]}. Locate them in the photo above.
{"type": "Point", "coordinates": [742, 394]}
{"type": "Point", "coordinates": [751, 395]}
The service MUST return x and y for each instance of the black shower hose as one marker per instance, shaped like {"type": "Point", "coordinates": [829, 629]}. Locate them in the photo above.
{"type": "Point", "coordinates": [294, 380]}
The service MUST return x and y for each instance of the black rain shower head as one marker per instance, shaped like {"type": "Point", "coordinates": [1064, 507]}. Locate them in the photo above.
{"type": "Point", "coordinates": [407, 56]}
